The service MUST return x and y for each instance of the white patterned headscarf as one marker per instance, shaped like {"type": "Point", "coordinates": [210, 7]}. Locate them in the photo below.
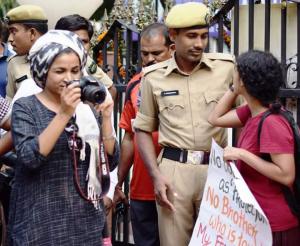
{"type": "Point", "coordinates": [47, 47]}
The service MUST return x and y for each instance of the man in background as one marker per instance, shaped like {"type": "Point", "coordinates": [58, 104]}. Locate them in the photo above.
{"type": "Point", "coordinates": [5, 53]}
{"type": "Point", "coordinates": [155, 47]}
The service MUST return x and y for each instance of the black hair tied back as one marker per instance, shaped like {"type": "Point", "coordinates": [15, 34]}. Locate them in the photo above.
{"type": "Point", "coordinates": [275, 107]}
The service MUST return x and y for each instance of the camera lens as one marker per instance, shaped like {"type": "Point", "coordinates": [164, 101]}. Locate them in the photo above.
{"type": "Point", "coordinates": [99, 96]}
{"type": "Point", "coordinates": [92, 90]}
{"type": "Point", "coordinates": [93, 94]}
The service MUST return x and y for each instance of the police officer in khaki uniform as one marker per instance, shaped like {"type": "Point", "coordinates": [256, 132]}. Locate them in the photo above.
{"type": "Point", "coordinates": [177, 96]}
{"type": "Point", "coordinates": [26, 24]}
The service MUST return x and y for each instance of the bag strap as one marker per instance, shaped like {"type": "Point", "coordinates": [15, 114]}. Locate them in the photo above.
{"type": "Point", "coordinates": [289, 117]}
{"type": "Point", "coordinates": [292, 198]}
{"type": "Point", "coordinates": [129, 89]}
{"type": "Point", "coordinates": [264, 116]}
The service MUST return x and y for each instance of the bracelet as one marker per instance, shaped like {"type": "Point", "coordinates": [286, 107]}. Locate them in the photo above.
{"type": "Point", "coordinates": [110, 137]}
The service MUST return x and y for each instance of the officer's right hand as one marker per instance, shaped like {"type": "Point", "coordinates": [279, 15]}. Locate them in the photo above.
{"type": "Point", "coordinates": [162, 187]}
{"type": "Point", "coordinates": [69, 98]}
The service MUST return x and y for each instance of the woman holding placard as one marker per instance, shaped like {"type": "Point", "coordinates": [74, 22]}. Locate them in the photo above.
{"type": "Point", "coordinates": [266, 158]}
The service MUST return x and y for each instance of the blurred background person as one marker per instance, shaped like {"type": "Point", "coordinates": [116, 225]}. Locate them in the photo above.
{"type": "Point", "coordinates": [5, 53]}
{"type": "Point", "coordinates": [26, 23]}
{"type": "Point", "coordinates": [155, 47]}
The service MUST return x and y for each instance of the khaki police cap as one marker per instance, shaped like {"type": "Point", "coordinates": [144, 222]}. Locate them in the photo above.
{"type": "Point", "coordinates": [26, 14]}
{"type": "Point", "coordinates": [188, 15]}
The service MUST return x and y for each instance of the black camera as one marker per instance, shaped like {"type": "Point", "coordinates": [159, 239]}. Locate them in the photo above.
{"type": "Point", "coordinates": [92, 90]}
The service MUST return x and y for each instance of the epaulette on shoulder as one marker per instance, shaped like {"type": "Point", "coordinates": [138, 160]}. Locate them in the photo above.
{"type": "Point", "coordinates": [16, 59]}
{"type": "Point", "coordinates": [220, 56]}
{"type": "Point", "coordinates": [11, 58]}
{"type": "Point", "coordinates": [154, 67]}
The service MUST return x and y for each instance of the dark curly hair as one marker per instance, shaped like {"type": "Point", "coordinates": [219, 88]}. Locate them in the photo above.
{"type": "Point", "coordinates": [261, 74]}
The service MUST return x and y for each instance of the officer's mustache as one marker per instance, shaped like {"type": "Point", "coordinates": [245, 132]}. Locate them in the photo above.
{"type": "Point", "coordinates": [150, 63]}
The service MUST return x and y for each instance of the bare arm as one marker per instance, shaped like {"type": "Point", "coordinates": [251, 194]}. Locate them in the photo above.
{"type": "Point", "coordinates": [161, 185]}
{"type": "Point", "coordinates": [127, 153]}
{"type": "Point", "coordinates": [6, 143]}
{"type": "Point", "coordinates": [223, 115]}
{"type": "Point", "coordinates": [6, 125]}
{"type": "Point", "coordinates": [281, 169]}
{"type": "Point", "coordinates": [108, 131]}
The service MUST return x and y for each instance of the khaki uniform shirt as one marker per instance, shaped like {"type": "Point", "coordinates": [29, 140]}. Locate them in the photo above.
{"type": "Point", "coordinates": [98, 72]}
{"type": "Point", "coordinates": [177, 104]}
{"type": "Point", "coordinates": [18, 70]}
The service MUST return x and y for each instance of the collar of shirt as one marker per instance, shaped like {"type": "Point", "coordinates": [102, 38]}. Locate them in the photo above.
{"type": "Point", "coordinates": [173, 65]}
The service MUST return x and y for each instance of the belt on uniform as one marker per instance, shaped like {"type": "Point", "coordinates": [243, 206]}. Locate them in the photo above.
{"type": "Point", "coordinates": [186, 156]}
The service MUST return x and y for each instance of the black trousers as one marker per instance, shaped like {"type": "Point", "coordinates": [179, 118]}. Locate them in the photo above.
{"type": "Point", "coordinates": [144, 223]}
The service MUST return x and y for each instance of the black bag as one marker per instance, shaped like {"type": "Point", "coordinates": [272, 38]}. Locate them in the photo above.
{"type": "Point", "coordinates": [6, 177]}
{"type": "Point", "coordinates": [292, 198]}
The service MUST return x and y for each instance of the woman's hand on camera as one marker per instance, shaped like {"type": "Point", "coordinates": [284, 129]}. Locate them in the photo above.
{"type": "Point", "coordinates": [70, 97]}
{"type": "Point", "coordinates": [106, 108]}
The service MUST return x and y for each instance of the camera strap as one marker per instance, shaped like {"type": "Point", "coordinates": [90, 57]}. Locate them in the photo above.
{"type": "Point", "coordinates": [102, 168]}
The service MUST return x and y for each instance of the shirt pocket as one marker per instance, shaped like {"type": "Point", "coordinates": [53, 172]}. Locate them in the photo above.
{"type": "Point", "coordinates": [172, 109]}
{"type": "Point", "coordinates": [211, 98]}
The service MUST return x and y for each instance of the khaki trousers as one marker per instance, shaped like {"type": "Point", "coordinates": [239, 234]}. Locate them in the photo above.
{"type": "Point", "coordinates": [188, 180]}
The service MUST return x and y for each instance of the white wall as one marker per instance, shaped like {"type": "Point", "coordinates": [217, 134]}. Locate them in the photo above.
{"type": "Point", "coordinates": [259, 28]}
{"type": "Point", "coordinates": [57, 8]}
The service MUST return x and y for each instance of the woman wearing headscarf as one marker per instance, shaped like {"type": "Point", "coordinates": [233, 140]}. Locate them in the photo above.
{"type": "Point", "coordinates": [56, 138]}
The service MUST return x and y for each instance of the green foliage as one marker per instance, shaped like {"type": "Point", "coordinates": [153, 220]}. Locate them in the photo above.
{"type": "Point", "coordinates": [5, 6]}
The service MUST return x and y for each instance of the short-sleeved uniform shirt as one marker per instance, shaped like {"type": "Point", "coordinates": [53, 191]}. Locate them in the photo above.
{"type": "Point", "coordinates": [18, 70]}
{"type": "Point", "coordinates": [276, 137]}
{"type": "Point", "coordinates": [178, 104]}
{"type": "Point", "coordinates": [141, 186]}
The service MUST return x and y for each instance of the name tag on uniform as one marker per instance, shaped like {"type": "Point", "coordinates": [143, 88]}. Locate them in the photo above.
{"type": "Point", "coordinates": [169, 93]}
{"type": "Point", "coordinates": [21, 79]}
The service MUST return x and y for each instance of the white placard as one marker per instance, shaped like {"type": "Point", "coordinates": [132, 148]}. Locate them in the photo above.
{"type": "Point", "coordinates": [229, 213]}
